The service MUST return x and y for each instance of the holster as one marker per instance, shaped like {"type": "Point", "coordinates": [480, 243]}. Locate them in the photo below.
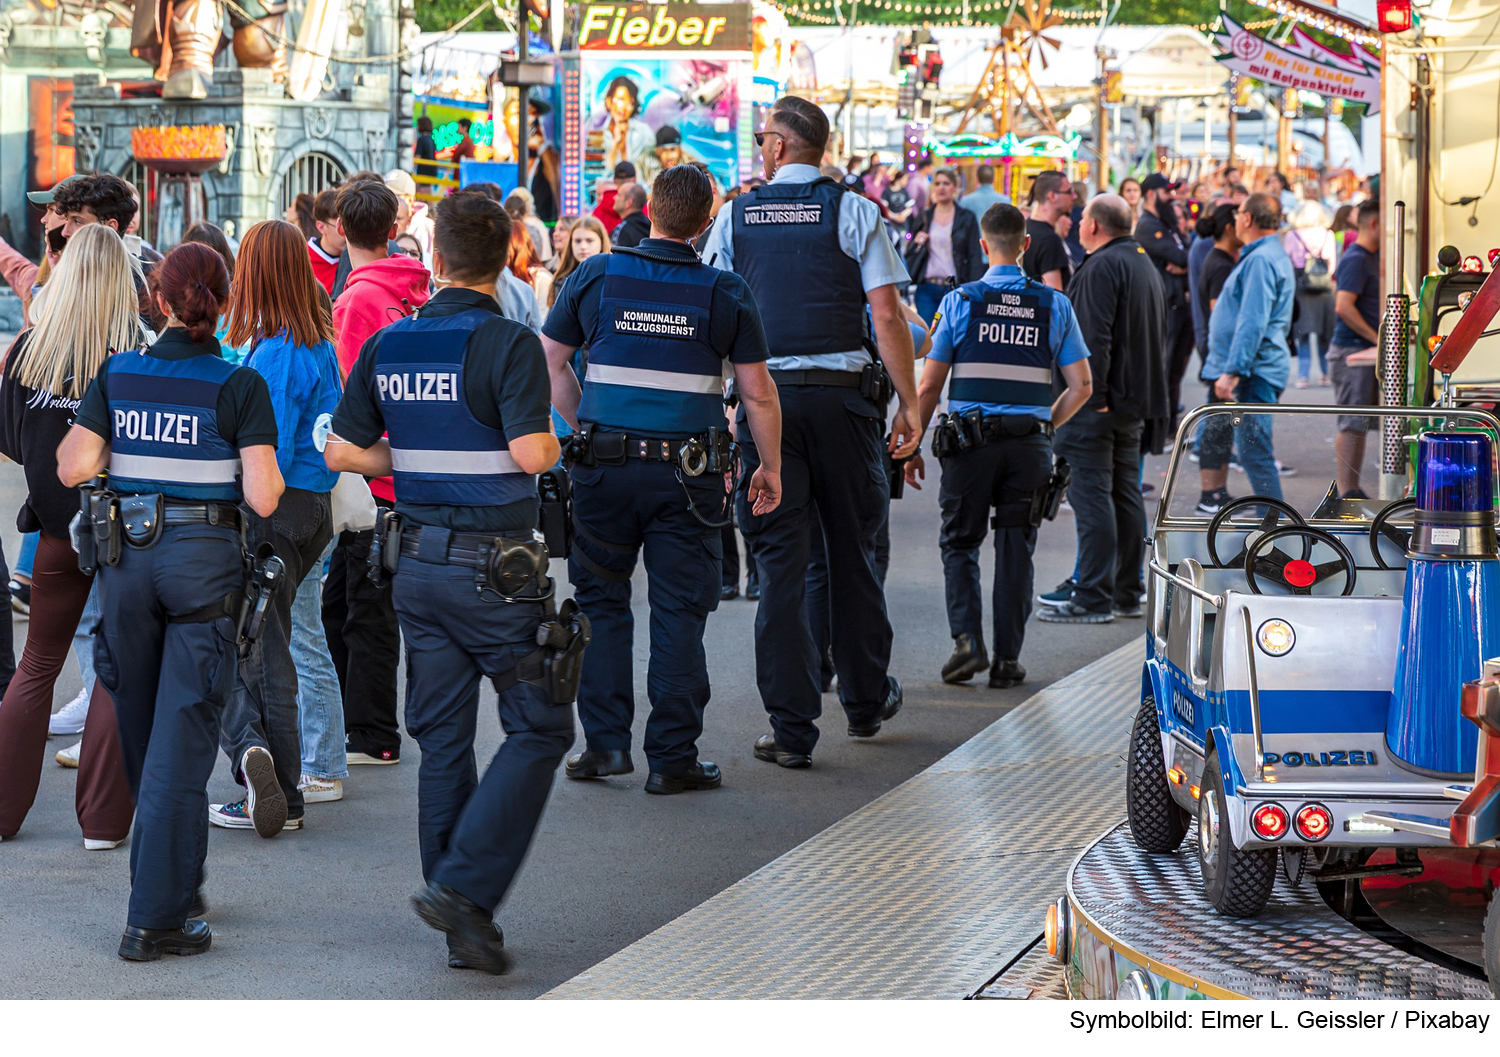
{"type": "Point", "coordinates": [895, 470]}
{"type": "Point", "coordinates": [875, 384]}
{"type": "Point", "coordinates": [944, 443]}
{"type": "Point", "coordinates": [577, 447]}
{"type": "Point", "coordinates": [96, 531]}
{"type": "Point", "coordinates": [263, 576]}
{"type": "Point", "coordinates": [385, 547]}
{"type": "Point", "coordinates": [563, 640]}
{"type": "Point", "coordinates": [1051, 497]}
{"type": "Point", "coordinates": [555, 520]}
{"type": "Point", "coordinates": [141, 517]}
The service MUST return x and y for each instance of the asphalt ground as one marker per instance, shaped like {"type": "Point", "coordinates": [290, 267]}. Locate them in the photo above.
{"type": "Point", "coordinates": [323, 913]}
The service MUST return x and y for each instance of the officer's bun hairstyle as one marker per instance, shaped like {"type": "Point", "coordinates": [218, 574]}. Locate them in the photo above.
{"type": "Point", "coordinates": [275, 291]}
{"type": "Point", "coordinates": [472, 233]}
{"type": "Point", "coordinates": [1004, 228]}
{"type": "Point", "coordinates": [367, 210]}
{"type": "Point", "coordinates": [1213, 225]}
{"type": "Point", "coordinates": [803, 122]}
{"type": "Point", "coordinates": [681, 199]}
{"type": "Point", "coordinates": [194, 283]}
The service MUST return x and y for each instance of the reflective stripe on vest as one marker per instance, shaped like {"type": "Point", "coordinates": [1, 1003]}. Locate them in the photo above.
{"type": "Point", "coordinates": [786, 246]}
{"type": "Point", "coordinates": [652, 366]}
{"type": "Point", "coordinates": [1005, 354]}
{"type": "Point", "coordinates": [164, 427]}
{"type": "Point", "coordinates": [441, 454]}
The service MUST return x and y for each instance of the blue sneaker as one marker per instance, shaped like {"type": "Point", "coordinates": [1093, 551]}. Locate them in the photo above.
{"type": "Point", "coordinates": [1060, 595]}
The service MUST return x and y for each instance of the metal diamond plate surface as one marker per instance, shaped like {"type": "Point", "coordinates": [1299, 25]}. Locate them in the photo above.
{"type": "Point", "coordinates": [923, 893]}
{"type": "Point", "coordinates": [1296, 949]}
{"type": "Point", "coordinates": [1036, 975]}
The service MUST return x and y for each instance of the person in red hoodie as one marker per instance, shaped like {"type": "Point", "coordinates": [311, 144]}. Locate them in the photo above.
{"type": "Point", "coordinates": [605, 212]}
{"type": "Point", "coordinates": [358, 617]}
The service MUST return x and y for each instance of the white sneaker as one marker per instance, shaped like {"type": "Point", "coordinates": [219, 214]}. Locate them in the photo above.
{"type": "Point", "coordinates": [69, 719]}
{"type": "Point", "coordinates": [103, 845]}
{"type": "Point", "coordinates": [320, 790]}
{"type": "Point", "coordinates": [69, 757]}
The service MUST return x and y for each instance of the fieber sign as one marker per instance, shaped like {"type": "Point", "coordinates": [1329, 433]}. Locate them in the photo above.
{"type": "Point", "coordinates": [1302, 63]}
{"type": "Point", "coordinates": [664, 27]}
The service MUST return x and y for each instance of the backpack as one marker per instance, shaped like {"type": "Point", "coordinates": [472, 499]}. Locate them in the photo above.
{"type": "Point", "coordinates": [1313, 277]}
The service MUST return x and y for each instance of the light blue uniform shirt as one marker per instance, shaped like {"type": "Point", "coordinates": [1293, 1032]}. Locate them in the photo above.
{"type": "Point", "coordinates": [952, 324]}
{"type": "Point", "coordinates": [861, 235]}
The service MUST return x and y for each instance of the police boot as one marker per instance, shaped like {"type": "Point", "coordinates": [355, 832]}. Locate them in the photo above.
{"type": "Point", "coordinates": [591, 764]}
{"type": "Point", "coordinates": [1006, 674]}
{"type": "Point", "coordinates": [472, 936]}
{"type": "Point", "coordinates": [147, 945]}
{"type": "Point", "coordinates": [968, 660]}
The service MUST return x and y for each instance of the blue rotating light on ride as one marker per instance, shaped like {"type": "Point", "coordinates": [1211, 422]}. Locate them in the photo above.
{"type": "Point", "coordinates": [1451, 620]}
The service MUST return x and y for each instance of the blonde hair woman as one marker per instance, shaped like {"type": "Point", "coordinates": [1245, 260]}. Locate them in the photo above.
{"type": "Point", "coordinates": [91, 311]}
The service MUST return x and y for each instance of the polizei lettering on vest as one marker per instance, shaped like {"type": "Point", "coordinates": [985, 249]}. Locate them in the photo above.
{"type": "Point", "coordinates": [1010, 334]}
{"type": "Point", "coordinates": [418, 385]}
{"type": "Point", "coordinates": [784, 213]}
{"type": "Point", "coordinates": [163, 427]}
{"type": "Point", "coordinates": [656, 324]}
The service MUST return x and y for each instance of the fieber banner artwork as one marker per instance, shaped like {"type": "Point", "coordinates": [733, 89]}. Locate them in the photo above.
{"type": "Point", "coordinates": [1302, 63]}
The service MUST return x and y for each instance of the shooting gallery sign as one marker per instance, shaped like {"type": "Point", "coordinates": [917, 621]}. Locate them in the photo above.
{"type": "Point", "coordinates": [1302, 63]}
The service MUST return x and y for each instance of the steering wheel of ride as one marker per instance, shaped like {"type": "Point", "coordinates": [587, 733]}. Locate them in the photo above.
{"type": "Point", "coordinates": [1382, 526]}
{"type": "Point", "coordinates": [1264, 558]}
{"type": "Point", "coordinates": [1272, 519]}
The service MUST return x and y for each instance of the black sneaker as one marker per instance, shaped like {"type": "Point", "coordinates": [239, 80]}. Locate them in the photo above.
{"type": "Point", "coordinates": [1070, 613]}
{"type": "Point", "coordinates": [1210, 502]}
{"type": "Point", "coordinates": [20, 597]}
{"type": "Point", "coordinates": [472, 937]}
{"type": "Point", "coordinates": [1283, 470]}
{"type": "Point", "coordinates": [1129, 612]}
{"type": "Point", "coordinates": [1059, 595]}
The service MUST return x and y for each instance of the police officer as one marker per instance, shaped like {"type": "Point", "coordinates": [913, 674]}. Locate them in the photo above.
{"type": "Point", "coordinates": [463, 394]}
{"type": "Point", "coordinates": [649, 468]}
{"type": "Point", "coordinates": [185, 436]}
{"type": "Point", "coordinates": [1000, 337]}
{"type": "Point", "coordinates": [814, 255]}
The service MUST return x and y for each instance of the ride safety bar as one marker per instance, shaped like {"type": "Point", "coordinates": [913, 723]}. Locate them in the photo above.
{"type": "Point", "coordinates": [1217, 601]}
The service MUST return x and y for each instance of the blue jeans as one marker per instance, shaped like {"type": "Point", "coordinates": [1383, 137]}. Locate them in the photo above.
{"type": "Point", "coordinates": [320, 703]}
{"type": "Point", "coordinates": [1304, 356]}
{"type": "Point", "coordinates": [928, 296]}
{"type": "Point", "coordinates": [1252, 439]}
{"type": "Point", "coordinates": [83, 639]}
{"type": "Point", "coordinates": [27, 557]}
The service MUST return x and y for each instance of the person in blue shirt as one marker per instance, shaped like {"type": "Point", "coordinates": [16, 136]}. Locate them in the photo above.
{"type": "Point", "coordinates": [1000, 338]}
{"type": "Point", "coordinates": [662, 327]}
{"type": "Point", "coordinates": [814, 255]}
{"type": "Point", "coordinates": [1248, 359]}
{"type": "Point", "coordinates": [275, 309]}
{"type": "Point", "coordinates": [979, 200]}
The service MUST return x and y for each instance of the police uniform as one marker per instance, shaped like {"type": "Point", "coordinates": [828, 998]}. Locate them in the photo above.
{"type": "Point", "coordinates": [1002, 335]}
{"type": "Point", "coordinates": [451, 385]}
{"type": "Point", "coordinates": [809, 250]}
{"type": "Point", "coordinates": [176, 416]}
{"type": "Point", "coordinates": [661, 328]}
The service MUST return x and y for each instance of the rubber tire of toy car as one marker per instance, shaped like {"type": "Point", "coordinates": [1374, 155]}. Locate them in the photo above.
{"type": "Point", "coordinates": [1240, 884]}
{"type": "Point", "coordinates": [1157, 823]}
{"type": "Point", "coordinates": [1492, 944]}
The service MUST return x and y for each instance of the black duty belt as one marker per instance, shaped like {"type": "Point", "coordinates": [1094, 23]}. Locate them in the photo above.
{"type": "Point", "coordinates": [464, 548]}
{"type": "Point", "coordinates": [652, 449]}
{"type": "Point", "coordinates": [179, 513]}
{"type": "Point", "coordinates": [817, 376]}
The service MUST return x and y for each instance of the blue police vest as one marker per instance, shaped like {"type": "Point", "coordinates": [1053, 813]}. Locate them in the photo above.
{"type": "Point", "coordinates": [1005, 355]}
{"type": "Point", "coordinates": [652, 369]}
{"type": "Point", "coordinates": [165, 427]}
{"type": "Point", "coordinates": [441, 455]}
{"type": "Point", "coordinates": [786, 246]}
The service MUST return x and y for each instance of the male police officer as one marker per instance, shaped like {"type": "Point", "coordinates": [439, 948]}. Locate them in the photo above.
{"type": "Point", "coordinates": [1000, 337]}
{"type": "Point", "coordinates": [649, 470]}
{"type": "Point", "coordinates": [814, 255]}
{"type": "Point", "coordinates": [463, 392]}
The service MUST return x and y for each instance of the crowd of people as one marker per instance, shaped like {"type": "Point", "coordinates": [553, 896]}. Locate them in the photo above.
{"type": "Point", "coordinates": [371, 356]}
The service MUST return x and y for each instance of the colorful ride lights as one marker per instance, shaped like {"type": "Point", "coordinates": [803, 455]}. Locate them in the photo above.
{"type": "Point", "coordinates": [1393, 16]}
{"type": "Point", "coordinates": [1455, 474]}
{"type": "Point", "coordinates": [1313, 823]}
{"type": "Point", "coordinates": [1473, 264]}
{"type": "Point", "coordinates": [1276, 636]}
{"type": "Point", "coordinates": [1494, 257]}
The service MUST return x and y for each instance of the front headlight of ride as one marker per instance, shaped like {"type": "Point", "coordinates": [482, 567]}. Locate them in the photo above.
{"type": "Point", "coordinates": [1276, 637]}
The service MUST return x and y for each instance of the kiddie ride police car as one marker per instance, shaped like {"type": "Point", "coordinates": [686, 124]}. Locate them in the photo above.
{"type": "Point", "coordinates": [1301, 689]}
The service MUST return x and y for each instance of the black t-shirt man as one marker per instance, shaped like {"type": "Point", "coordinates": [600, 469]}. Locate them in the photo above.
{"type": "Point", "coordinates": [1046, 252]}
{"type": "Point", "coordinates": [506, 387]}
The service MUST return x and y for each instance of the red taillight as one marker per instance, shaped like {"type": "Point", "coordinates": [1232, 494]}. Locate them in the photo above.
{"type": "Point", "coordinates": [1393, 16]}
{"type": "Point", "coordinates": [1269, 821]}
{"type": "Point", "coordinates": [1494, 256]}
{"type": "Point", "coordinates": [1314, 822]}
{"type": "Point", "coordinates": [1473, 264]}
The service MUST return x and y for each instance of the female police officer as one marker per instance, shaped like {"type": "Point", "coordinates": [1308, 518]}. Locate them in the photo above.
{"type": "Point", "coordinates": [185, 436]}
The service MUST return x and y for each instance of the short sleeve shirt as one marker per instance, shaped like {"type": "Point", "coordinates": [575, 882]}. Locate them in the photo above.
{"type": "Point", "coordinates": [1358, 271]}
{"type": "Point", "coordinates": [1046, 252]}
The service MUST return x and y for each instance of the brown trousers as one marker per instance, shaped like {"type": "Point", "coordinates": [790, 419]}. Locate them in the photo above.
{"type": "Point", "coordinates": [58, 594]}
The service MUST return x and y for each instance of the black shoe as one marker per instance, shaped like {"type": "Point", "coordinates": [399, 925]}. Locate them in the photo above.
{"type": "Point", "coordinates": [591, 764]}
{"type": "Point", "coordinates": [472, 938]}
{"type": "Point", "coordinates": [891, 706]}
{"type": "Point", "coordinates": [728, 592]}
{"type": "Point", "coordinates": [1006, 674]}
{"type": "Point", "coordinates": [752, 589]}
{"type": "Point", "coordinates": [968, 660]}
{"type": "Point", "coordinates": [199, 908]}
{"type": "Point", "coordinates": [456, 960]}
{"type": "Point", "coordinates": [147, 945]}
{"type": "Point", "coordinates": [766, 749]}
{"type": "Point", "coordinates": [702, 775]}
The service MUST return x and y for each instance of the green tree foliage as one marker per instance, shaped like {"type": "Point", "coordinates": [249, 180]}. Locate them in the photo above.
{"type": "Point", "coordinates": [435, 16]}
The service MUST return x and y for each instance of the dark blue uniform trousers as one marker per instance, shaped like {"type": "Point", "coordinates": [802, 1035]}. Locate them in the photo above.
{"type": "Point", "coordinates": [473, 832]}
{"type": "Point", "coordinates": [833, 475]}
{"type": "Point", "coordinates": [1002, 473]}
{"type": "Point", "coordinates": [170, 682]}
{"type": "Point", "coordinates": [818, 616]}
{"type": "Point", "coordinates": [622, 512]}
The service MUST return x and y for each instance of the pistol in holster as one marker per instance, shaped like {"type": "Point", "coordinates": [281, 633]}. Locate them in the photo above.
{"type": "Point", "coordinates": [263, 578]}
{"type": "Point", "coordinates": [562, 639]}
{"type": "Point", "coordinates": [895, 470]}
{"type": "Point", "coordinates": [385, 547]}
{"type": "Point", "coordinates": [875, 384]}
{"type": "Point", "coordinates": [1046, 502]}
{"type": "Point", "coordinates": [555, 519]}
{"type": "Point", "coordinates": [97, 536]}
